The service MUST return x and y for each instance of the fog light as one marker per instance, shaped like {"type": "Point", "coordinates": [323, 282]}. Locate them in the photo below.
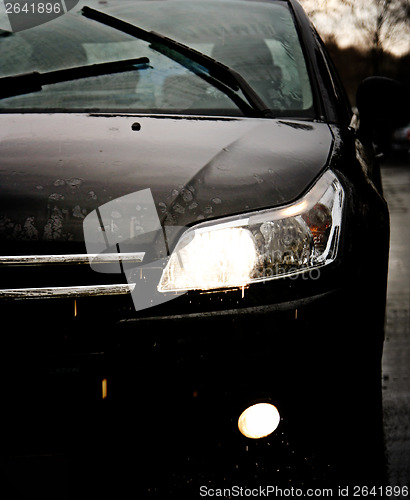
{"type": "Point", "coordinates": [259, 420]}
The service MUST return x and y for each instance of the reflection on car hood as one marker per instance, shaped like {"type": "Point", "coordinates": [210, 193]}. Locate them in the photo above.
{"type": "Point", "coordinates": [55, 169]}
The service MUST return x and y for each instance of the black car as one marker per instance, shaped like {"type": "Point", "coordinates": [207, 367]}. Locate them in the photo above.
{"type": "Point", "coordinates": [194, 248]}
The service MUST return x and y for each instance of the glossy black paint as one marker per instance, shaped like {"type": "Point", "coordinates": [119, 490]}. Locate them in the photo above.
{"type": "Point", "coordinates": [76, 163]}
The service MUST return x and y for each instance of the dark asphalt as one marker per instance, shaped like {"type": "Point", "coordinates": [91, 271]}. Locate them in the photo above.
{"type": "Point", "coordinates": [396, 358]}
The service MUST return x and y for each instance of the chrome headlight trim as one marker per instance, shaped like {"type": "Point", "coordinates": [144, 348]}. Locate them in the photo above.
{"type": "Point", "coordinates": [259, 246]}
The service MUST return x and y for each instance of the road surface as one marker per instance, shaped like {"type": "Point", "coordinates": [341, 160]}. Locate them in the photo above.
{"type": "Point", "coordinates": [396, 357]}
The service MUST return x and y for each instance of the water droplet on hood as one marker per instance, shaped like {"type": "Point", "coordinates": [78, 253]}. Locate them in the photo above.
{"type": "Point", "coordinates": [74, 182]}
{"type": "Point", "coordinates": [53, 228]}
{"type": "Point", "coordinates": [29, 231]}
{"type": "Point", "coordinates": [77, 212]}
{"type": "Point", "coordinates": [187, 196]}
{"type": "Point", "coordinates": [56, 197]}
{"type": "Point", "coordinates": [179, 208]}
{"type": "Point", "coordinates": [162, 206]}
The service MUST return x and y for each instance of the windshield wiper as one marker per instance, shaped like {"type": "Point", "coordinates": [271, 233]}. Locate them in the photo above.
{"type": "Point", "coordinates": [27, 83]}
{"type": "Point", "coordinates": [174, 50]}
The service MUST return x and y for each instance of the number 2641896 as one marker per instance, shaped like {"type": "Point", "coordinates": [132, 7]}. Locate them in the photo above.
{"type": "Point", "coordinates": [34, 8]}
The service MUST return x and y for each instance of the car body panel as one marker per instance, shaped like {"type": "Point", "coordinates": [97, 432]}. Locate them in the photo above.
{"type": "Point", "coordinates": [196, 168]}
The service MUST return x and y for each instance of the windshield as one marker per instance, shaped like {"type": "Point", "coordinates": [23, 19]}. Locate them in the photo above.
{"type": "Point", "coordinates": [256, 39]}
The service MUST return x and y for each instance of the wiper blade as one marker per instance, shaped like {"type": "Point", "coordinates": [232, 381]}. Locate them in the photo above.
{"type": "Point", "coordinates": [173, 49]}
{"type": "Point", "coordinates": [27, 83]}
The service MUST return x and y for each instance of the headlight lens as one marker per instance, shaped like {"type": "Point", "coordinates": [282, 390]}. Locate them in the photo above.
{"type": "Point", "coordinates": [260, 246]}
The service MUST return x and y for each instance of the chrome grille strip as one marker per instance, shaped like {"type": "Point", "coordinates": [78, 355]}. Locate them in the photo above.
{"type": "Point", "coordinates": [66, 291]}
{"type": "Point", "coordinates": [43, 260]}
{"type": "Point", "coordinates": [67, 259]}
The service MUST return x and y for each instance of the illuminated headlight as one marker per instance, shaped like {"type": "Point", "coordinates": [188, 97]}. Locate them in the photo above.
{"type": "Point", "coordinates": [260, 246]}
{"type": "Point", "coordinates": [259, 420]}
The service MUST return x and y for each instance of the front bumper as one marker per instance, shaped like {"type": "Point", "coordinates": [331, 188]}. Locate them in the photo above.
{"type": "Point", "coordinates": [231, 357]}
{"type": "Point", "coordinates": [155, 399]}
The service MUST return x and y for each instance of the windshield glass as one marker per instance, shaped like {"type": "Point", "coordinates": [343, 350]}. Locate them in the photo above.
{"type": "Point", "coordinates": [257, 39]}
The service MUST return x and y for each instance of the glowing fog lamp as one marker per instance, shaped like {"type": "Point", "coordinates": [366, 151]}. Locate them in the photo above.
{"type": "Point", "coordinates": [259, 420]}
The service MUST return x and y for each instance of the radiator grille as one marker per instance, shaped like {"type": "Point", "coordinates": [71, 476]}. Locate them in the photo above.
{"type": "Point", "coordinates": [62, 276]}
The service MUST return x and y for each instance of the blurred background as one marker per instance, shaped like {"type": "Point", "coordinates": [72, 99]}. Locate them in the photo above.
{"type": "Point", "coordinates": [364, 38]}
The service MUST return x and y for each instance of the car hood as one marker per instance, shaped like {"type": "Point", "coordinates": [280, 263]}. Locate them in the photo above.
{"type": "Point", "coordinates": [57, 168]}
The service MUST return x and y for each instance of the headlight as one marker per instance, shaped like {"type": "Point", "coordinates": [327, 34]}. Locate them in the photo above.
{"type": "Point", "coordinates": [260, 246]}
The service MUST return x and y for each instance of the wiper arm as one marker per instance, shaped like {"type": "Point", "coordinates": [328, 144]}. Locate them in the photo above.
{"type": "Point", "coordinates": [27, 83]}
{"type": "Point", "coordinates": [173, 49]}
